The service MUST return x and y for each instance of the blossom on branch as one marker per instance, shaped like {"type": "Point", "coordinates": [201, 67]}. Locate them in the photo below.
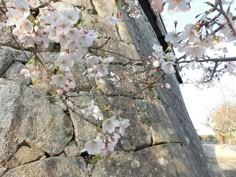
{"type": "Point", "coordinates": [94, 147]}
{"type": "Point", "coordinates": [110, 124]}
{"type": "Point", "coordinates": [178, 5]}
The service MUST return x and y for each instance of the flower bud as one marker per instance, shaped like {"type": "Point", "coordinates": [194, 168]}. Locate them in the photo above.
{"type": "Point", "coordinates": [156, 64]}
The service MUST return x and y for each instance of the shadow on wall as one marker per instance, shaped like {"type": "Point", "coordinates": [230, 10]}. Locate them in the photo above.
{"type": "Point", "coordinates": [222, 159]}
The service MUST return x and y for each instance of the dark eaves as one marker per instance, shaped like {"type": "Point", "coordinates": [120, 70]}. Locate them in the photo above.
{"type": "Point", "coordinates": [159, 29]}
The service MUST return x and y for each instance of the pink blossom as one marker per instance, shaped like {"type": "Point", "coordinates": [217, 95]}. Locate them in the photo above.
{"type": "Point", "coordinates": [109, 125]}
{"type": "Point", "coordinates": [94, 146]}
{"type": "Point", "coordinates": [168, 67]}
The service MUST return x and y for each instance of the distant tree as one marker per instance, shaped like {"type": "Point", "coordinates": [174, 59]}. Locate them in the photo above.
{"type": "Point", "coordinates": [223, 121]}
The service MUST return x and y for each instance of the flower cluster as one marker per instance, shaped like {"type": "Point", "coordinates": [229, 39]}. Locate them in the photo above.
{"type": "Point", "coordinates": [159, 61]}
{"type": "Point", "coordinates": [97, 66]}
{"type": "Point", "coordinates": [109, 135]}
{"type": "Point", "coordinates": [53, 25]}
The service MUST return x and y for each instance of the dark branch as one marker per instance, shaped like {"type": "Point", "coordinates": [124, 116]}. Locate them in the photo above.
{"type": "Point", "coordinates": [208, 60]}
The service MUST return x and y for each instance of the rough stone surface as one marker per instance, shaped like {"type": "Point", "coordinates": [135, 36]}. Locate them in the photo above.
{"type": "Point", "coordinates": [103, 8]}
{"type": "Point", "coordinates": [24, 155]}
{"type": "Point", "coordinates": [51, 167]}
{"type": "Point", "coordinates": [84, 131]}
{"type": "Point", "coordinates": [8, 56]}
{"type": "Point", "coordinates": [72, 150]}
{"type": "Point", "coordinates": [30, 117]}
{"type": "Point", "coordinates": [123, 33]}
{"type": "Point", "coordinates": [2, 170]}
{"type": "Point", "coordinates": [164, 160]}
{"type": "Point", "coordinates": [42, 134]}
{"type": "Point", "coordinates": [14, 73]}
{"type": "Point", "coordinates": [6, 37]}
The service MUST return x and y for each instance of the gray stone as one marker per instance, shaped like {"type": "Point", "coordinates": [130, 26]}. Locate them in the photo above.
{"type": "Point", "coordinates": [94, 22]}
{"type": "Point", "coordinates": [155, 117]}
{"type": "Point", "coordinates": [51, 167]}
{"type": "Point", "coordinates": [126, 108]}
{"type": "Point", "coordinates": [72, 150]}
{"type": "Point", "coordinates": [78, 103]}
{"type": "Point", "coordinates": [14, 73]}
{"type": "Point", "coordinates": [6, 37]}
{"type": "Point", "coordinates": [104, 8]}
{"type": "Point", "coordinates": [28, 116]}
{"type": "Point", "coordinates": [82, 81]}
{"type": "Point", "coordinates": [124, 34]}
{"type": "Point", "coordinates": [157, 161]}
{"type": "Point", "coordinates": [8, 56]}
{"type": "Point", "coordinates": [2, 170]}
{"type": "Point", "coordinates": [84, 131]}
{"type": "Point", "coordinates": [79, 3]}
{"type": "Point", "coordinates": [124, 82]}
{"type": "Point", "coordinates": [124, 53]}
{"type": "Point", "coordinates": [24, 155]}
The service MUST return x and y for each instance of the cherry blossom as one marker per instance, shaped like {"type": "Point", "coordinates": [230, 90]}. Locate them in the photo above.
{"type": "Point", "coordinates": [25, 73]}
{"type": "Point", "coordinates": [168, 67]}
{"type": "Point", "coordinates": [178, 5]}
{"type": "Point", "coordinates": [59, 80]}
{"type": "Point", "coordinates": [156, 64]}
{"type": "Point", "coordinates": [94, 111]}
{"type": "Point", "coordinates": [157, 5]}
{"type": "Point", "coordinates": [22, 6]}
{"type": "Point", "coordinates": [190, 33]}
{"type": "Point", "coordinates": [167, 85]}
{"type": "Point", "coordinates": [13, 16]}
{"type": "Point", "coordinates": [124, 123]}
{"type": "Point", "coordinates": [71, 14]}
{"type": "Point", "coordinates": [173, 37]}
{"type": "Point", "coordinates": [25, 25]}
{"type": "Point", "coordinates": [194, 51]}
{"type": "Point", "coordinates": [110, 124]}
{"type": "Point", "coordinates": [94, 147]}
{"type": "Point", "coordinates": [65, 61]}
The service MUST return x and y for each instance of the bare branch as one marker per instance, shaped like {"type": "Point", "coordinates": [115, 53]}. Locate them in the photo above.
{"type": "Point", "coordinates": [226, 17]}
{"type": "Point", "coordinates": [227, 59]}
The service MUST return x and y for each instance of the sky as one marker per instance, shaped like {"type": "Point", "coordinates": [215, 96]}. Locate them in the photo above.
{"type": "Point", "coordinates": [200, 103]}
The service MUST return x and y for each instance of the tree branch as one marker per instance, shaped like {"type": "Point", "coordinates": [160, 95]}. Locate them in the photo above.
{"type": "Point", "coordinates": [228, 59]}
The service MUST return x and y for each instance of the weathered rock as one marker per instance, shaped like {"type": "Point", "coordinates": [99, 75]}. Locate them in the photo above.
{"type": "Point", "coordinates": [160, 140]}
{"type": "Point", "coordinates": [28, 116]}
{"type": "Point", "coordinates": [8, 56]}
{"type": "Point", "coordinates": [6, 37]}
{"type": "Point", "coordinates": [2, 170]}
{"type": "Point", "coordinates": [84, 131]}
{"type": "Point", "coordinates": [103, 8]}
{"type": "Point", "coordinates": [51, 167]}
{"type": "Point", "coordinates": [72, 150]}
{"type": "Point", "coordinates": [163, 160]}
{"type": "Point", "coordinates": [127, 109]}
{"type": "Point", "coordinates": [80, 102]}
{"type": "Point", "coordinates": [14, 73]}
{"type": "Point", "coordinates": [103, 30]}
{"type": "Point", "coordinates": [124, 53]}
{"type": "Point", "coordinates": [24, 155]}
{"type": "Point", "coordinates": [80, 3]}
{"type": "Point", "coordinates": [123, 82]}
{"type": "Point", "coordinates": [123, 33]}
{"type": "Point", "coordinates": [82, 81]}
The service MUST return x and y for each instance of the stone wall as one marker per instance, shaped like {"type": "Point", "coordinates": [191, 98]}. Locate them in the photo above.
{"type": "Point", "coordinates": [41, 135]}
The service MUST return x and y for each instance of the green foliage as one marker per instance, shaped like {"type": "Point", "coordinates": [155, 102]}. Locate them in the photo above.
{"type": "Point", "coordinates": [93, 159]}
